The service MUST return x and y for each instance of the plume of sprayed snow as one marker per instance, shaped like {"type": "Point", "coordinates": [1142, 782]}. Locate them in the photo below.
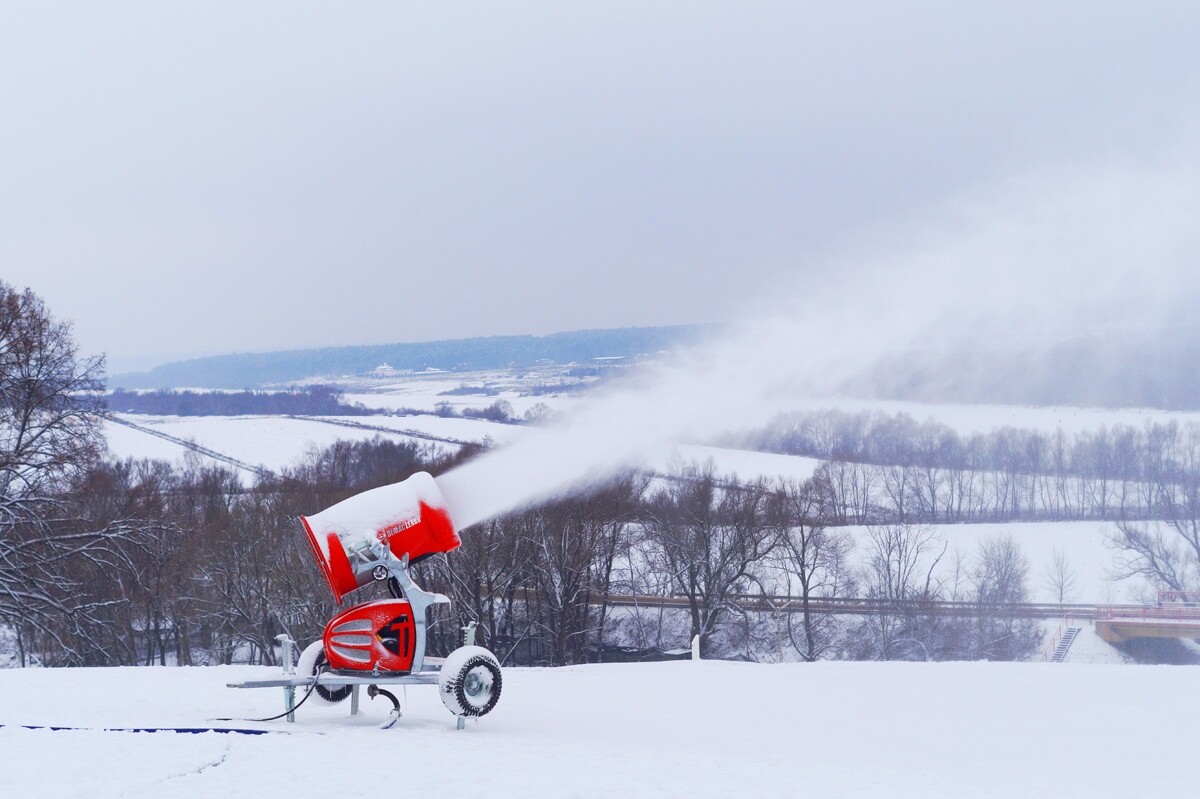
{"type": "Point", "coordinates": [1037, 259]}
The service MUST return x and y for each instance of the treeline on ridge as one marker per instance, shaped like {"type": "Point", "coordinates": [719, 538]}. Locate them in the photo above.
{"type": "Point", "coordinates": [893, 468]}
{"type": "Point", "coordinates": [310, 401]}
{"type": "Point", "coordinates": [151, 563]}
{"type": "Point", "coordinates": [492, 352]}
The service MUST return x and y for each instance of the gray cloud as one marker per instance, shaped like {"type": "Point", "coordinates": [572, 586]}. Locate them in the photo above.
{"type": "Point", "coordinates": [186, 179]}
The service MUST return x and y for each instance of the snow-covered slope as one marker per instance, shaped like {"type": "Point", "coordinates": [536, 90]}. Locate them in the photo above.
{"type": "Point", "coordinates": [969, 418]}
{"type": "Point", "coordinates": [1091, 563]}
{"type": "Point", "coordinates": [637, 730]}
{"type": "Point", "coordinates": [278, 441]}
{"type": "Point", "coordinates": [746, 465]}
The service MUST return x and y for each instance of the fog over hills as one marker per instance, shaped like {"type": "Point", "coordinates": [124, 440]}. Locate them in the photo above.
{"type": "Point", "coordinates": [251, 370]}
{"type": "Point", "coordinates": [1154, 365]}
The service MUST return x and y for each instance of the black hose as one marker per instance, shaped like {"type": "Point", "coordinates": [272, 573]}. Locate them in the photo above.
{"type": "Point", "coordinates": [374, 691]}
{"type": "Point", "coordinates": [312, 686]}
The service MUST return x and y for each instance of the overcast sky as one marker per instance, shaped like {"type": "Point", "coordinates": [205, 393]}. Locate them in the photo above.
{"type": "Point", "coordinates": [199, 178]}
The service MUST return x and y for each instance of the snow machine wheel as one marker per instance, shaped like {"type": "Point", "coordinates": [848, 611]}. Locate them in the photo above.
{"type": "Point", "coordinates": [469, 682]}
{"type": "Point", "coordinates": [312, 660]}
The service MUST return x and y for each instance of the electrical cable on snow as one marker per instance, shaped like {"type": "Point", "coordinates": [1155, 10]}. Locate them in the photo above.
{"type": "Point", "coordinates": [184, 730]}
{"type": "Point", "coordinates": [312, 686]}
{"type": "Point", "coordinates": [188, 730]}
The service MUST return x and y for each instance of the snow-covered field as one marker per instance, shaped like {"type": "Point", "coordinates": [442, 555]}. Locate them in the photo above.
{"type": "Point", "coordinates": [425, 391]}
{"type": "Point", "coordinates": [1091, 562]}
{"type": "Point", "coordinates": [279, 441]}
{"type": "Point", "coordinates": [427, 398]}
{"type": "Point", "coordinates": [270, 441]}
{"type": "Point", "coordinates": [746, 465]}
{"type": "Point", "coordinates": [980, 418]}
{"type": "Point", "coordinates": [679, 729]}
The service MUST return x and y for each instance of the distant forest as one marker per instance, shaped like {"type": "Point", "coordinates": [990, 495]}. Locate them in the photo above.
{"type": "Point", "coordinates": [253, 370]}
{"type": "Point", "coordinates": [1158, 366]}
{"type": "Point", "coordinates": [310, 401]}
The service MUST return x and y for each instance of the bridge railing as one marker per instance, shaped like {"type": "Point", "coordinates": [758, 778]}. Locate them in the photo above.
{"type": "Point", "coordinates": [1147, 613]}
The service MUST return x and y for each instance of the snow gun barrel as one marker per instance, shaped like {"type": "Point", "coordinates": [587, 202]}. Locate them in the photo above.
{"type": "Point", "coordinates": [409, 518]}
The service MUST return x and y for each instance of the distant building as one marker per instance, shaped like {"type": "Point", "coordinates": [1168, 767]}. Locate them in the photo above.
{"type": "Point", "coordinates": [384, 370]}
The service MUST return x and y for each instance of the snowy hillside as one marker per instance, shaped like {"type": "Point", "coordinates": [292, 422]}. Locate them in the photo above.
{"type": "Point", "coordinates": [279, 441]}
{"type": "Point", "coordinates": [649, 730]}
{"type": "Point", "coordinates": [1091, 562]}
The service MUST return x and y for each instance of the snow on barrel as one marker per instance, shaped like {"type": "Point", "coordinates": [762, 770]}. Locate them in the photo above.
{"type": "Point", "coordinates": [410, 517]}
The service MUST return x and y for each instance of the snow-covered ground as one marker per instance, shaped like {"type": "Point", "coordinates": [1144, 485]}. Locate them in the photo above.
{"type": "Point", "coordinates": [452, 428]}
{"type": "Point", "coordinates": [746, 465]}
{"type": "Point", "coordinates": [980, 418]}
{"type": "Point", "coordinates": [677, 729]}
{"type": "Point", "coordinates": [270, 441]}
{"type": "Point", "coordinates": [425, 391]}
{"type": "Point", "coordinates": [427, 397]}
{"type": "Point", "coordinates": [278, 441]}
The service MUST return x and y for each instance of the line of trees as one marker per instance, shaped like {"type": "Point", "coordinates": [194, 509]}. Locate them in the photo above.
{"type": "Point", "coordinates": [145, 562]}
{"type": "Point", "coordinates": [310, 401]}
{"type": "Point", "coordinates": [886, 468]}
{"type": "Point", "coordinates": [189, 566]}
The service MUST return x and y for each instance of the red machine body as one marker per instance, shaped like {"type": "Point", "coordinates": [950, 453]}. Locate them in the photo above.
{"type": "Point", "coordinates": [409, 518]}
{"type": "Point", "coordinates": [375, 635]}
{"type": "Point", "coordinates": [374, 537]}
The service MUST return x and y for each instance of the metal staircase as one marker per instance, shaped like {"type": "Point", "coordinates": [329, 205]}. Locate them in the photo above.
{"type": "Point", "coordinates": [1064, 644]}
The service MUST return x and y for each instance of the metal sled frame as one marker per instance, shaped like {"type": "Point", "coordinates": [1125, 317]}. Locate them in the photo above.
{"type": "Point", "coordinates": [290, 681]}
{"type": "Point", "coordinates": [424, 671]}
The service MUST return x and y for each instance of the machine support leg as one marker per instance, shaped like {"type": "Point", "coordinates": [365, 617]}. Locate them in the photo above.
{"type": "Point", "coordinates": [288, 645]}
{"type": "Point", "coordinates": [289, 692]}
{"type": "Point", "coordinates": [462, 722]}
{"type": "Point", "coordinates": [354, 700]}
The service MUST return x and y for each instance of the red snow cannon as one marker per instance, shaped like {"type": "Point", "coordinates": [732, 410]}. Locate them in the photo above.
{"type": "Point", "coordinates": [374, 537]}
{"type": "Point", "coordinates": [409, 518]}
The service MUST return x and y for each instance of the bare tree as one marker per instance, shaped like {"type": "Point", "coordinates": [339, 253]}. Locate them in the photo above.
{"type": "Point", "coordinates": [706, 538]}
{"type": "Point", "coordinates": [900, 568]}
{"type": "Point", "coordinates": [812, 555]}
{"type": "Point", "coordinates": [1000, 578]}
{"type": "Point", "coordinates": [49, 434]}
{"type": "Point", "coordinates": [484, 577]}
{"type": "Point", "coordinates": [1059, 578]}
{"type": "Point", "coordinates": [1167, 550]}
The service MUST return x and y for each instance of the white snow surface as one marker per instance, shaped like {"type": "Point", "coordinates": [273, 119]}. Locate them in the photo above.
{"type": "Point", "coordinates": [271, 441]}
{"type": "Point", "coordinates": [126, 442]}
{"type": "Point", "coordinates": [279, 441]}
{"type": "Point", "coordinates": [425, 396]}
{"type": "Point", "coordinates": [969, 418]}
{"type": "Point", "coordinates": [746, 465]}
{"type": "Point", "coordinates": [681, 729]}
{"type": "Point", "coordinates": [1091, 562]}
{"type": "Point", "coordinates": [446, 427]}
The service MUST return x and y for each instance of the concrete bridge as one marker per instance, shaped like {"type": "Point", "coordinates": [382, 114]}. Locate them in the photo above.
{"type": "Point", "coordinates": [1175, 615]}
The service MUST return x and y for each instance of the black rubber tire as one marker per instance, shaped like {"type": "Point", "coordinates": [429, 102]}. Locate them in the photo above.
{"type": "Point", "coordinates": [455, 684]}
{"type": "Point", "coordinates": [313, 660]}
